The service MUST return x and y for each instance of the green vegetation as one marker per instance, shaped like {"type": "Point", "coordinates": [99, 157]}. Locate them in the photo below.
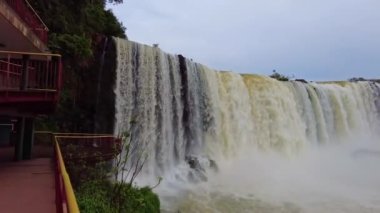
{"type": "Point", "coordinates": [105, 186]}
{"type": "Point", "coordinates": [99, 196]}
{"type": "Point", "coordinates": [78, 30]}
{"type": "Point", "coordinates": [73, 25]}
{"type": "Point", "coordinates": [356, 79]}
{"type": "Point", "coordinates": [93, 196]}
{"type": "Point", "coordinates": [279, 76]}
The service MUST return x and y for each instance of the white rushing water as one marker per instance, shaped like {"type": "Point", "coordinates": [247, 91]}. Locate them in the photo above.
{"type": "Point", "coordinates": [225, 142]}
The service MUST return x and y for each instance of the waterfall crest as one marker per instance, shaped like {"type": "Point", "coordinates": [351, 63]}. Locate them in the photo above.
{"type": "Point", "coordinates": [181, 108]}
{"type": "Point", "coordinates": [197, 124]}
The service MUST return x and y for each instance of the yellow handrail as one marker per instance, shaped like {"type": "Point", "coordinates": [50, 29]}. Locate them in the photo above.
{"type": "Point", "coordinates": [88, 136]}
{"type": "Point", "coordinates": [72, 204]}
{"type": "Point", "coordinates": [41, 90]}
{"type": "Point", "coordinates": [61, 134]}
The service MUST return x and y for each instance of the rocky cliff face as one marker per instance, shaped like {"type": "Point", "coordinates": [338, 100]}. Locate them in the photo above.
{"type": "Point", "coordinates": [96, 98]}
{"type": "Point", "coordinates": [105, 97]}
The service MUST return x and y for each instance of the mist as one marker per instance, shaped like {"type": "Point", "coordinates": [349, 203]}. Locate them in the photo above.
{"type": "Point", "coordinates": [339, 177]}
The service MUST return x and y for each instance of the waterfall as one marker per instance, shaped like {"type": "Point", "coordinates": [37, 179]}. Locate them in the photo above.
{"type": "Point", "coordinates": [176, 109]}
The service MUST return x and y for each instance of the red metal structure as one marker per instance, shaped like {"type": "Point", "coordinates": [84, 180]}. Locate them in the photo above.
{"type": "Point", "coordinates": [30, 84]}
{"type": "Point", "coordinates": [30, 17]}
{"type": "Point", "coordinates": [29, 78]}
{"type": "Point", "coordinates": [21, 27]}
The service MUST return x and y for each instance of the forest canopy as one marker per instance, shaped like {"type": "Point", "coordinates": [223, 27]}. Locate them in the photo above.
{"type": "Point", "coordinates": [78, 30]}
{"type": "Point", "coordinates": [72, 24]}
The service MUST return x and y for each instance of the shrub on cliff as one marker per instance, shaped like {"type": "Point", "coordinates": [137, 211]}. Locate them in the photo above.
{"type": "Point", "coordinates": [105, 187]}
{"type": "Point", "coordinates": [279, 76]}
{"type": "Point", "coordinates": [98, 196]}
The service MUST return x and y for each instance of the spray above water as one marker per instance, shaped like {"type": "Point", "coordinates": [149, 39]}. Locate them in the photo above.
{"type": "Point", "coordinates": [225, 142]}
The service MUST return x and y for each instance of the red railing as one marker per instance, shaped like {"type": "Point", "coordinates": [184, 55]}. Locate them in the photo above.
{"type": "Point", "coordinates": [99, 144]}
{"type": "Point", "coordinates": [93, 147]}
{"type": "Point", "coordinates": [30, 71]}
{"type": "Point", "coordinates": [10, 74]}
{"type": "Point", "coordinates": [30, 17]}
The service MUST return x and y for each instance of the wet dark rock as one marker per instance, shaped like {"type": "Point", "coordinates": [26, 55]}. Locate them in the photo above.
{"type": "Point", "coordinates": [199, 165]}
{"type": "Point", "coordinates": [194, 163]}
{"type": "Point", "coordinates": [213, 166]}
{"type": "Point", "coordinates": [302, 80]}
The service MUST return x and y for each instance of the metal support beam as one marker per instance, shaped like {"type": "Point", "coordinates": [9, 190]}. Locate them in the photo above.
{"type": "Point", "coordinates": [28, 138]}
{"type": "Point", "coordinates": [5, 133]}
{"type": "Point", "coordinates": [20, 131]}
{"type": "Point", "coordinates": [25, 138]}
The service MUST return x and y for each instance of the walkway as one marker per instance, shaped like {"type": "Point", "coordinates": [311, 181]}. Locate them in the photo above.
{"type": "Point", "coordinates": [27, 186]}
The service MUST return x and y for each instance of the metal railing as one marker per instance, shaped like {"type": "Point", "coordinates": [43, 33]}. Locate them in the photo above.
{"type": "Point", "coordinates": [94, 147]}
{"type": "Point", "coordinates": [30, 17]}
{"type": "Point", "coordinates": [65, 196]}
{"type": "Point", "coordinates": [30, 71]}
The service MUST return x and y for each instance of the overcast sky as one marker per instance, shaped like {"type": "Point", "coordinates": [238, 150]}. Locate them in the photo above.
{"type": "Point", "coordinates": [310, 39]}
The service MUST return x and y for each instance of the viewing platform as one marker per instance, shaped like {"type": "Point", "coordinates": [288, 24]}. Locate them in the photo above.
{"type": "Point", "coordinates": [33, 176]}
{"type": "Point", "coordinates": [27, 186]}
{"type": "Point", "coordinates": [42, 184]}
{"type": "Point", "coordinates": [29, 82]}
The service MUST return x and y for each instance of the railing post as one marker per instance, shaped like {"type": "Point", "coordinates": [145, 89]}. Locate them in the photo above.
{"type": "Point", "coordinates": [55, 72]}
{"type": "Point", "coordinates": [47, 74]}
{"type": "Point", "coordinates": [8, 71]}
{"type": "Point", "coordinates": [24, 72]}
{"type": "Point", "coordinates": [58, 79]}
{"type": "Point", "coordinates": [8, 75]}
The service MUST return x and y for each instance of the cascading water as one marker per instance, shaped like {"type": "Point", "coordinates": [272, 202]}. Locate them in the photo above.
{"type": "Point", "coordinates": [225, 142]}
